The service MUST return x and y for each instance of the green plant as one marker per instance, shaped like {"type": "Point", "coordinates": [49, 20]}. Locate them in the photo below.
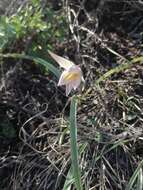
{"type": "Point", "coordinates": [7, 32]}
{"type": "Point", "coordinates": [34, 27]}
{"type": "Point", "coordinates": [73, 108]}
{"type": "Point", "coordinates": [46, 64]}
{"type": "Point", "coordinates": [28, 20]}
{"type": "Point", "coordinates": [123, 67]}
{"type": "Point", "coordinates": [137, 175]}
{"type": "Point", "coordinates": [74, 147]}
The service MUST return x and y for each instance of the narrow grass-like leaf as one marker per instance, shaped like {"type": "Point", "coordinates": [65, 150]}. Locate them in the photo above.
{"type": "Point", "coordinates": [140, 180]}
{"type": "Point", "coordinates": [46, 64]}
{"type": "Point", "coordinates": [120, 68]}
{"type": "Point", "coordinates": [107, 150]}
{"type": "Point", "coordinates": [69, 179]}
{"type": "Point", "coordinates": [134, 177]}
{"type": "Point", "coordinates": [74, 147]}
{"type": "Point", "coordinates": [62, 136]}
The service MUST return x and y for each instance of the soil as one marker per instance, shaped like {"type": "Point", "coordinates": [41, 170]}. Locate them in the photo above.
{"type": "Point", "coordinates": [32, 107]}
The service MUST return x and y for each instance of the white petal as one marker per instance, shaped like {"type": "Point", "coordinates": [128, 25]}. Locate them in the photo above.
{"type": "Point", "coordinates": [68, 89]}
{"type": "Point", "coordinates": [64, 63]}
{"type": "Point", "coordinates": [76, 83]}
{"type": "Point", "coordinates": [74, 68]}
{"type": "Point", "coordinates": [62, 80]}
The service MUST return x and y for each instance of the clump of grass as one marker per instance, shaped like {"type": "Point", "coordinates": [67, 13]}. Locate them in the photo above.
{"type": "Point", "coordinates": [136, 177]}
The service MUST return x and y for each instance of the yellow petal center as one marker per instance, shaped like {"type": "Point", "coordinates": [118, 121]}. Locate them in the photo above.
{"type": "Point", "coordinates": [71, 76]}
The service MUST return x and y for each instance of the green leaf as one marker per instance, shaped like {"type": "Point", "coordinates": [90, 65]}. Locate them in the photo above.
{"type": "Point", "coordinates": [140, 180]}
{"type": "Point", "coordinates": [70, 179]}
{"type": "Point", "coordinates": [74, 146]}
{"type": "Point", "coordinates": [120, 68]}
{"type": "Point", "coordinates": [46, 64]}
{"type": "Point", "coordinates": [134, 177]}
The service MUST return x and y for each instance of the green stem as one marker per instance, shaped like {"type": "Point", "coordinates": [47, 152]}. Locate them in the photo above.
{"type": "Point", "coordinates": [74, 146]}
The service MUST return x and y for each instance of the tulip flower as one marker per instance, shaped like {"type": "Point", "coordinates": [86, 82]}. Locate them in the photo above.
{"type": "Point", "coordinates": [72, 74]}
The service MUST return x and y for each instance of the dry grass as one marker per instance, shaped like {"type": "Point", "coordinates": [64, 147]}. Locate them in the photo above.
{"type": "Point", "coordinates": [110, 116]}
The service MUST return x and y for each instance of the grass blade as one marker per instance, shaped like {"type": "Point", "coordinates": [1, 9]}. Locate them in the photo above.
{"type": "Point", "coordinates": [73, 139]}
{"type": "Point", "coordinates": [134, 177]}
{"type": "Point", "coordinates": [46, 64]}
{"type": "Point", "coordinates": [120, 69]}
{"type": "Point", "coordinates": [140, 180]}
{"type": "Point", "coordinates": [69, 179]}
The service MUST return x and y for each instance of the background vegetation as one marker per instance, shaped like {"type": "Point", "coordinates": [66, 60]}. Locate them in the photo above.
{"type": "Point", "coordinates": [106, 39]}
